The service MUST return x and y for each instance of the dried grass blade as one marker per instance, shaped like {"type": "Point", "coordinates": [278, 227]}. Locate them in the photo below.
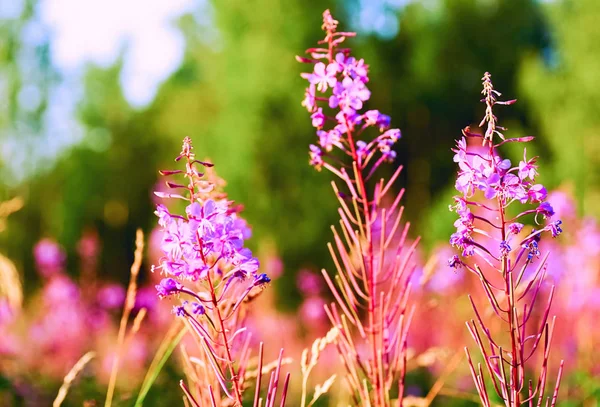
{"type": "Point", "coordinates": [70, 377]}
{"type": "Point", "coordinates": [129, 304]}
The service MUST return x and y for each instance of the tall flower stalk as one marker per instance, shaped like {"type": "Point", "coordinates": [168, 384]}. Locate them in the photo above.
{"type": "Point", "coordinates": [373, 262]}
{"type": "Point", "coordinates": [506, 259]}
{"type": "Point", "coordinates": [213, 276]}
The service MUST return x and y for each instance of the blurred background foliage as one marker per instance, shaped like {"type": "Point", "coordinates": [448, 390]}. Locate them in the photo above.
{"type": "Point", "coordinates": [237, 93]}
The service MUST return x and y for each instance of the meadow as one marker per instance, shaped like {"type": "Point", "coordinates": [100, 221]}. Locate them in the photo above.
{"type": "Point", "coordinates": [344, 261]}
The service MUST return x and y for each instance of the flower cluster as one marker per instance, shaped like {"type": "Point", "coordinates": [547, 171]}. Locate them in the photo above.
{"type": "Point", "coordinates": [68, 317]}
{"type": "Point", "coordinates": [209, 238]}
{"type": "Point", "coordinates": [205, 261]}
{"type": "Point", "coordinates": [335, 97]}
{"type": "Point", "coordinates": [207, 232]}
{"type": "Point", "coordinates": [501, 183]}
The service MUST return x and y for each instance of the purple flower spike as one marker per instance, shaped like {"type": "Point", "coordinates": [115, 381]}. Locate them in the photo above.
{"type": "Point", "coordinates": [203, 251]}
{"type": "Point", "coordinates": [353, 147]}
{"type": "Point", "coordinates": [489, 185]}
{"type": "Point", "coordinates": [343, 80]}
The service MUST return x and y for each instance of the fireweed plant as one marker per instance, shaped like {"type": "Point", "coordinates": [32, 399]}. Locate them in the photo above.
{"type": "Point", "coordinates": [507, 261]}
{"type": "Point", "coordinates": [373, 263]}
{"type": "Point", "coordinates": [213, 276]}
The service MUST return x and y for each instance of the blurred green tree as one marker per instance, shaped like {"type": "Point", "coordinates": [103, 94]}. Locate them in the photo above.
{"type": "Point", "coordinates": [561, 86]}
{"type": "Point", "coordinates": [428, 78]}
{"type": "Point", "coordinates": [27, 79]}
{"type": "Point", "coordinates": [237, 94]}
{"type": "Point", "coordinates": [240, 97]}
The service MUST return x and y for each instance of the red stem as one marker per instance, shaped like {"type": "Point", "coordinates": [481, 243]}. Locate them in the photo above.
{"type": "Point", "coordinates": [215, 302]}
{"type": "Point", "coordinates": [513, 391]}
{"type": "Point", "coordinates": [379, 397]}
{"type": "Point", "coordinates": [234, 378]}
